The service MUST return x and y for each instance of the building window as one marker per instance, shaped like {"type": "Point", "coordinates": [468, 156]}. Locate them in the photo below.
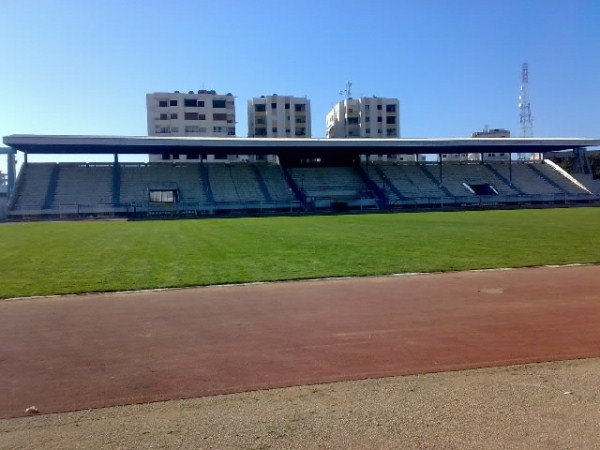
{"type": "Point", "coordinates": [390, 119]}
{"type": "Point", "coordinates": [231, 131]}
{"type": "Point", "coordinates": [367, 131]}
{"type": "Point", "coordinates": [367, 119]}
{"type": "Point", "coordinates": [192, 129]}
{"type": "Point", "coordinates": [201, 116]}
{"type": "Point", "coordinates": [219, 116]}
{"type": "Point", "coordinates": [218, 129]}
{"type": "Point", "coordinates": [174, 116]}
{"type": "Point", "coordinates": [190, 102]}
{"type": "Point", "coordinates": [273, 105]}
{"type": "Point", "coordinates": [174, 129]}
{"type": "Point", "coordinates": [173, 102]}
{"type": "Point", "coordinates": [259, 108]}
{"type": "Point", "coordinates": [200, 103]}
{"type": "Point", "coordinates": [287, 106]}
{"type": "Point", "coordinates": [163, 117]}
{"type": "Point", "coordinates": [274, 129]}
{"type": "Point", "coordinates": [191, 116]}
{"type": "Point", "coordinates": [218, 103]}
{"type": "Point", "coordinates": [300, 107]}
{"type": "Point", "coordinates": [378, 107]}
{"type": "Point", "coordinates": [379, 119]}
{"type": "Point", "coordinates": [162, 104]}
{"type": "Point", "coordinates": [390, 108]}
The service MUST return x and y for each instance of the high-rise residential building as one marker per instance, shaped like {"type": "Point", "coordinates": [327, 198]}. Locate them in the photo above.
{"type": "Point", "coordinates": [365, 117]}
{"type": "Point", "coordinates": [279, 116]}
{"type": "Point", "coordinates": [204, 113]}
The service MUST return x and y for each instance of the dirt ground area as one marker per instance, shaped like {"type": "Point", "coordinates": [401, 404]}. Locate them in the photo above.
{"type": "Point", "coordinates": [72, 353]}
{"type": "Point", "coordinates": [537, 406]}
{"type": "Point", "coordinates": [231, 352]}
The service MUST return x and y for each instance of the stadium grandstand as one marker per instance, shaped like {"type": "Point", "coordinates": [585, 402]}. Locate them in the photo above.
{"type": "Point", "coordinates": [310, 175]}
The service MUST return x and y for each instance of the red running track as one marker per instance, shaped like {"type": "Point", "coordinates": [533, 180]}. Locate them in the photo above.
{"type": "Point", "coordinates": [78, 352]}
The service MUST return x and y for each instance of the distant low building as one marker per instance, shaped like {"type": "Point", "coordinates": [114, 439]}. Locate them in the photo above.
{"type": "Point", "coordinates": [489, 133]}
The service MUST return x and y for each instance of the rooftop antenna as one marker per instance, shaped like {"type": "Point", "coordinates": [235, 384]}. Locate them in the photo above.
{"type": "Point", "coordinates": [347, 92]}
{"type": "Point", "coordinates": [524, 107]}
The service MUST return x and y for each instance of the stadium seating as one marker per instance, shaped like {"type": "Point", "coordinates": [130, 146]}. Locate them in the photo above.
{"type": "Point", "coordinates": [81, 184]}
{"type": "Point", "coordinates": [334, 183]}
{"type": "Point", "coordinates": [137, 179]}
{"type": "Point", "coordinates": [409, 180]}
{"type": "Point", "coordinates": [32, 187]}
{"type": "Point", "coordinates": [275, 183]}
{"type": "Point", "coordinates": [530, 182]}
{"type": "Point", "coordinates": [234, 183]}
{"type": "Point", "coordinates": [47, 189]}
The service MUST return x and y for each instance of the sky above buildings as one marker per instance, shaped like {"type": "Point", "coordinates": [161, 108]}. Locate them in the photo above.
{"type": "Point", "coordinates": [84, 67]}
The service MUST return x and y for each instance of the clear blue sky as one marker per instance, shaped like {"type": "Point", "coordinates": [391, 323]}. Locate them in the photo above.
{"type": "Point", "coordinates": [84, 66]}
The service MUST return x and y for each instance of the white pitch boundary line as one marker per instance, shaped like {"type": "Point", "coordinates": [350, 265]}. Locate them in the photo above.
{"type": "Point", "coordinates": [297, 280]}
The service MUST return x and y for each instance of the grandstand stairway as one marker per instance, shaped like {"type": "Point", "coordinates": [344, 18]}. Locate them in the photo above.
{"type": "Point", "coordinates": [425, 169]}
{"type": "Point", "coordinates": [503, 179]}
{"type": "Point", "coordinates": [371, 185]}
{"type": "Point", "coordinates": [547, 179]}
{"type": "Point", "coordinates": [203, 176]}
{"type": "Point", "coordinates": [295, 189]}
{"type": "Point", "coordinates": [116, 183]}
{"type": "Point", "coordinates": [382, 178]}
{"type": "Point", "coordinates": [52, 184]}
{"type": "Point", "coordinates": [261, 184]}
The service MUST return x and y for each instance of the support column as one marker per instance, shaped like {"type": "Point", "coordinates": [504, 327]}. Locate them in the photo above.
{"type": "Point", "coordinates": [581, 162]}
{"type": "Point", "coordinates": [11, 164]}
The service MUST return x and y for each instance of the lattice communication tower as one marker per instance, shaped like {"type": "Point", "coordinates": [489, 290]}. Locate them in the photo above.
{"type": "Point", "coordinates": [525, 117]}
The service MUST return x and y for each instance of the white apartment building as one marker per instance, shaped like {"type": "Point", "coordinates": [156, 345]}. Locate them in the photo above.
{"type": "Point", "coordinates": [279, 116]}
{"type": "Point", "coordinates": [204, 113]}
{"type": "Point", "coordinates": [365, 117]}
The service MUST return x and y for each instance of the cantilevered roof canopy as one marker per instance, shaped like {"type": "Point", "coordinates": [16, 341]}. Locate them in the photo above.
{"type": "Point", "coordinates": [49, 144]}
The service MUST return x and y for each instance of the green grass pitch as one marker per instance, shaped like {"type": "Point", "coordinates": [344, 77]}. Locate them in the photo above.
{"type": "Point", "coordinates": [76, 257]}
